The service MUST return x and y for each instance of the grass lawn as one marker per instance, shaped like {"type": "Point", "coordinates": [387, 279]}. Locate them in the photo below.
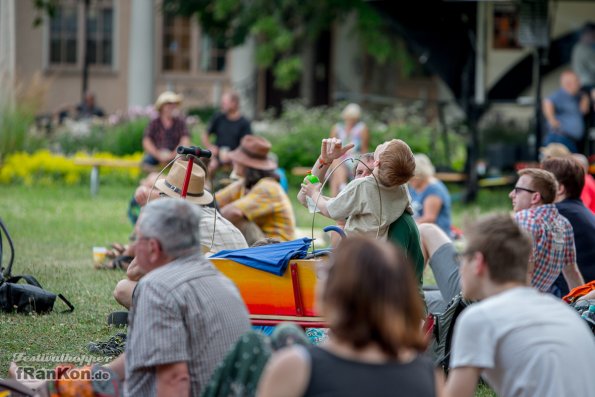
{"type": "Point", "coordinates": [54, 230]}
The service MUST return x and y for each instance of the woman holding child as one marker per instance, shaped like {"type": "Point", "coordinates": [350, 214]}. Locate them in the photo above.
{"type": "Point", "coordinates": [375, 339]}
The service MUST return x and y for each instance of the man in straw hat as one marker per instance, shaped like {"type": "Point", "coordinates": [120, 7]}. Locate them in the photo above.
{"type": "Point", "coordinates": [257, 204]}
{"type": "Point", "coordinates": [216, 231]}
{"type": "Point", "coordinates": [165, 133]}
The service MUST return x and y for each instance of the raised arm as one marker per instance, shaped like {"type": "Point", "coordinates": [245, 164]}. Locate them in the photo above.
{"type": "Point", "coordinates": [330, 150]}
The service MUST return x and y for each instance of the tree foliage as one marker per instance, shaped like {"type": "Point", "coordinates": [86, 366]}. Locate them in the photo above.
{"type": "Point", "coordinates": [281, 27]}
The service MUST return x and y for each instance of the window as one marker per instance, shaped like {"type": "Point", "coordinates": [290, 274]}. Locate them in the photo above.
{"type": "Point", "coordinates": [66, 33]}
{"type": "Point", "coordinates": [176, 43]}
{"type": "Point", "coordinates": [99, 34]}
{"type": "Point", "coordinates": [506, 27]}
{"type": "Point", "coordinates": [212, 55]}
{"type": "Point", "coordinates": [186, 50]}
{"type": "Point", "coordinates": [63, 35]}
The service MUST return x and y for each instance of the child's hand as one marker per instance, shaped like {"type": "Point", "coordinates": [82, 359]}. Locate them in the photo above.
{"type": "Point", "coordinates": [310, 189]}
{"type": "Point", "coordinates": [332, 149]}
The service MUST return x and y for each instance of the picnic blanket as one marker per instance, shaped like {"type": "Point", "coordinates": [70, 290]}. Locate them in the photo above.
{"type": "Point", "coordinates": [272, 258]}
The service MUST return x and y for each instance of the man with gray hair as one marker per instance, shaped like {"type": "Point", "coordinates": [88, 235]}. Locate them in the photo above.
{"type": "Point", "coordinates": [185, 314]}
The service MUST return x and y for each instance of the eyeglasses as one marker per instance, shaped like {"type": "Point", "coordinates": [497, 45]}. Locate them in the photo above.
{"type": "Point", "coordinates": [523, 189]}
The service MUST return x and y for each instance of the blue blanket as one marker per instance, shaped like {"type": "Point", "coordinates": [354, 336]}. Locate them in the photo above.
{"type": "Point", "coordinates": [272, 258]}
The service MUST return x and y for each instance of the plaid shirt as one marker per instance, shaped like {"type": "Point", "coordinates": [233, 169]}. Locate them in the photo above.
{"type": "Point", "coordinates": [266, 204]}
{"type": "Point", "coordinates": [553, 243]}
{"type": "Point", "coordinates": [166, 138]}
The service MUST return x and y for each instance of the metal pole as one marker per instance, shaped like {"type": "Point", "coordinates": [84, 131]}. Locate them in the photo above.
{"type": "Point", "coordinates": [537, 111]}
{"type": "Point", "coordinates": [85, 84]}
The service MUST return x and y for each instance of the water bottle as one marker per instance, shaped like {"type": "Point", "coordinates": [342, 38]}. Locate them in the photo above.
{"type": "Point", "coordinates": [313, 179]}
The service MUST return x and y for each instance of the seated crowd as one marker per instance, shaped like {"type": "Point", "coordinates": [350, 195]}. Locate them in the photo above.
{"type": "Point", "coordinates": [517, 335]}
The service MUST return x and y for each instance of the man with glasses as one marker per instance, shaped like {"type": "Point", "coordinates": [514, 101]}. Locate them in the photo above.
{"type": "Point", "coordinates": [553, 239]}
{"type": "Point", "coordinates": [522, 342]}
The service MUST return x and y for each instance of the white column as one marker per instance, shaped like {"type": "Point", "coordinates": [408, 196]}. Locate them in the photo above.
{"type": "Point", "coordinates": [141, 76]}
{"type": "Point", "coordinates": [243, 77]}
{"type": "Point", "coordinates": [7, 52]}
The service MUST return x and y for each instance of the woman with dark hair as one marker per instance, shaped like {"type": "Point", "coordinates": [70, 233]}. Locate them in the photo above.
{"type": "Point", "coordinates": [369, 298]}
{"type": "Point", "coordinates": [257, 204]}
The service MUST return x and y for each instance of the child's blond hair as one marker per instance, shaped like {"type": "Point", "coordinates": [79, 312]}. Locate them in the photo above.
{"type": "Point", "coordinates": [397, 163]}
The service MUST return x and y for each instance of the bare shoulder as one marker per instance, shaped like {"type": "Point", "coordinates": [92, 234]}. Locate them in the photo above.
{"type": "Point", "coordinates": [286, 374]}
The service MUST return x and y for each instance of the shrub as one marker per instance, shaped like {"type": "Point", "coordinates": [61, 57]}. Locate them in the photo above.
{"type": "Point", "coordinates": [296, 135]}
{"type": "Point", "coordinates": [204, 114]}
{"type": "Point", "coordinates": [125, 138]}
{"type": "Point", "coordinates": [120, 139]}
{"type": "Point", "coordinates": [17, 113]}
{"type": "Point", "coordinates": [14, 126]}
{"type": "Point", "coordinates": [44, 168]}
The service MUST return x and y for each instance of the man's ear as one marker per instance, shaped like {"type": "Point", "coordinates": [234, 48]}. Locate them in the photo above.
{"type": "Point", "coordinates": [536, 198]}
{"type": "Point", "coordinates": [480, 266]}
{"type": "Point", "coordinates": [561, 192]}
{"type": "Point", "coordinates": [376, 164]}
{"type": "Point", "coordinates": [155, 249]}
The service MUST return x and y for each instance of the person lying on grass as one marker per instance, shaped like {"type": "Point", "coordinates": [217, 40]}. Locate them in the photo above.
{"type": "Point", "coordinates": [372, 203]}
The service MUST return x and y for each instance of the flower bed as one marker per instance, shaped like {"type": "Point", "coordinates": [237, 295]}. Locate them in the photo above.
{"type": "Point", "coordinates": [44, 168]}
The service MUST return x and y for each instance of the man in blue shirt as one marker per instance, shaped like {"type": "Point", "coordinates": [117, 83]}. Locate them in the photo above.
{"type": "Point", "coordinates": [564, 110]}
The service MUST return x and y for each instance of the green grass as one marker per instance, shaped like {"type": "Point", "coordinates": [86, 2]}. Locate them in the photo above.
{"type": "Point", "coordinates": [54, 230]}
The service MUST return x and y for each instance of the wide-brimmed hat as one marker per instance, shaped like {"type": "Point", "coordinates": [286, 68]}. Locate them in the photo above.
{"type": "Point", "coordinates": [173, 183]}
{"type": "Point", "coordinates": [167, 97]}
{"type": "Point", "coordinates": [554, 150]}
{"type": "Point", "coordinates": [253, 152]}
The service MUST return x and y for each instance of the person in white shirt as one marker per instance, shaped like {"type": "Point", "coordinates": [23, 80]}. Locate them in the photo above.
{"type": "Point", "coordinates": [521, 341]}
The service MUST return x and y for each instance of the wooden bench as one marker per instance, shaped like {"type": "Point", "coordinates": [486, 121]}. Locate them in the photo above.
{"type": "Point", "coordinates": [96, 163]}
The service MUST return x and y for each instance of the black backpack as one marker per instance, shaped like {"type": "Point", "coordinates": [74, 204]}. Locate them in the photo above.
{"type": "Point", "coordinates": [23, 298]}
{"type": "Point", "coordinates": [444, 324]}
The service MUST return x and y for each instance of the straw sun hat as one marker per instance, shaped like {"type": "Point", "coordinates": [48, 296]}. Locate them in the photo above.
{"type": "Point", "coordinates": [173, 183]}
{"type": "Point", "coordinates": [167, 97]}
